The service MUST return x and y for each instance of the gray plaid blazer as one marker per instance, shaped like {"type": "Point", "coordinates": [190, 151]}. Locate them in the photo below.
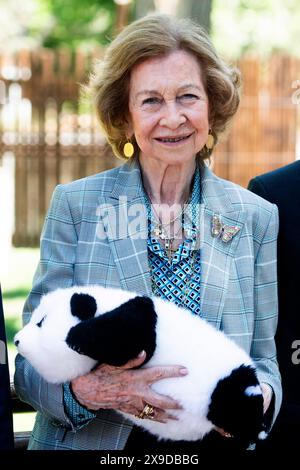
{"type": "Point", "coordinates": [79, 245]}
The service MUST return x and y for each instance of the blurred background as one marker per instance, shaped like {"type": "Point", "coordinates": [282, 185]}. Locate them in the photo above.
{"type": "Point", "coordinates": [48, 136]}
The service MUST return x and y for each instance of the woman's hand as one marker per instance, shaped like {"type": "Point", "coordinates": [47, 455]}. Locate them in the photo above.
{"type": "Point", "coordinates": [267, 392]}
{"type": "Point", "coordinates": [127, 389]}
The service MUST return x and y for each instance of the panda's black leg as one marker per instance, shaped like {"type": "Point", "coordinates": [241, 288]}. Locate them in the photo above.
{"type": "Point", "coordinates": [119, 335]}
{"type": "Point", "coordinates": [237, 405]}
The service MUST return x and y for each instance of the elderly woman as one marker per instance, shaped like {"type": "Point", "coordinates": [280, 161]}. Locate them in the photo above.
{"type": "Point", "coordinates": [162, 223]}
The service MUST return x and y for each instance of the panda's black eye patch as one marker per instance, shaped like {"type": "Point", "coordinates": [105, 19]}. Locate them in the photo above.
{"type": "Point", "coordinates": [39, 324]}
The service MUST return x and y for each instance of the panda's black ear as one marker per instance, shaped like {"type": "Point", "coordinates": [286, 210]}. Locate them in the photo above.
{"type": "Point", "coordinates": [83, 306]}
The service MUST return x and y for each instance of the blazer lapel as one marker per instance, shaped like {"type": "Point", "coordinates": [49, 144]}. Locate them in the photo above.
{"type": "Point", "coordinates": [124, 219]}
{"type": "Point", "coordinates": [216, 255]}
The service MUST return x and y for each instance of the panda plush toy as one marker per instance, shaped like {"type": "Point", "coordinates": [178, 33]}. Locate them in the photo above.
{"type": "Point", "coordinates": [75, 329]}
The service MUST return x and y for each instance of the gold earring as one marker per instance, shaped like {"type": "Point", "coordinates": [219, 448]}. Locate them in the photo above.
{"type": "Point", "coordinates": [210, 140]}
{"type": "Point", "coordinates": [128, 150]}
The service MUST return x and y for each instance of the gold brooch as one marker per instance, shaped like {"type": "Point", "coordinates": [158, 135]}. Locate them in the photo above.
{"type": "Point", "coordinates": [222, 231]}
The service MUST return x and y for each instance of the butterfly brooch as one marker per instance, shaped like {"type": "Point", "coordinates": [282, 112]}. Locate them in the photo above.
{"type": "Point", "coordinates": [222, 231]}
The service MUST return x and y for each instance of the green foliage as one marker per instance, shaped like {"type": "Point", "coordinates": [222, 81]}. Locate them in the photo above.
{"type": "Point", "coordinates": [15, 293]}
{"type": "Point", "coordinates": [12, 326]}
{"type": "Point", "coordinates": [256, 26]}
{"type": "Point", "coordinates": [55, 23]}
{"type": "Point", "coordinates": [237, 26]}
{"type": "Point", "coordinates": [78, 22]}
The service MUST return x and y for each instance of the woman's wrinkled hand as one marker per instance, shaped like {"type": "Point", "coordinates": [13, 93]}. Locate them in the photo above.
{"type": "Point", "coordinates": [127, 389]}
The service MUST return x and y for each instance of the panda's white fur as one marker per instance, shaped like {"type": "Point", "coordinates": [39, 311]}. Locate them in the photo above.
{"type": "Point", "coordinates": [46, 348]}
{"type": "Point", "coordinates": [181, 338]}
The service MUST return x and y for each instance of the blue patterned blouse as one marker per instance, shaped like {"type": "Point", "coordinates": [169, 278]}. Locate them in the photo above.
{"type": "Point", "coordinates": [178, 280]}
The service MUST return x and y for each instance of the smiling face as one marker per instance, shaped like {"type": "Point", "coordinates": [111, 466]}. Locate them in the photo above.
{"type": "Point", "coordinates": [168, 108]}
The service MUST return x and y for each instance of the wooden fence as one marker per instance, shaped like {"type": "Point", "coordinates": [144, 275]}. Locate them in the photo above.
{"type": "Point", "coordinates": [263, 136]}
{"type": "Point", "coordinates": [55, 139]}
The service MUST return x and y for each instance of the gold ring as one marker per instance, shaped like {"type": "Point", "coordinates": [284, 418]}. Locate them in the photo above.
{"type": "Point", "coordinates": [148, 412]}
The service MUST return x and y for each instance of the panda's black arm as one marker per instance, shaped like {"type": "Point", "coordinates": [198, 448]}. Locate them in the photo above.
{"type": "Point", "coordinates": [119, 335]}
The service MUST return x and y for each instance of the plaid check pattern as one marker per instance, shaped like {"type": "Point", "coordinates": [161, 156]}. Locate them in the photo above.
{"type": "Point", "coordinates": [238, 288]}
